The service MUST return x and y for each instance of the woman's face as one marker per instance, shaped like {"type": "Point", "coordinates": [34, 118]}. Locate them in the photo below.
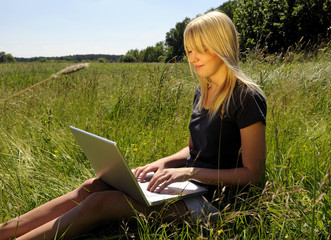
{"type": "Point", "coordinates": [207, 64]}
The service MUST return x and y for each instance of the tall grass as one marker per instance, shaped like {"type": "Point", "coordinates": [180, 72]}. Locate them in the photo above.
{"type": "Point", "coordinates": [146, 109]}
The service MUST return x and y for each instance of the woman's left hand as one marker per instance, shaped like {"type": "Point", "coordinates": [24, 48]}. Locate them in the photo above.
{"type": "Point", "coordinates": [164, 177]}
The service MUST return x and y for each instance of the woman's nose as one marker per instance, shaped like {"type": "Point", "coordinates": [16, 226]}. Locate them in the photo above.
{"type": "Point", "coordinates": [193, 57]}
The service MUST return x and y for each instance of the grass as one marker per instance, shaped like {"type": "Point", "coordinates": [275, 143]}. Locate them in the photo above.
{"type": "Point", "coordinates": [146, 109]}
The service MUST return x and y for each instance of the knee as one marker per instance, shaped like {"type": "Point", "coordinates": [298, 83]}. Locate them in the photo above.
{"type": "Point", "coordinates": [90, 186]}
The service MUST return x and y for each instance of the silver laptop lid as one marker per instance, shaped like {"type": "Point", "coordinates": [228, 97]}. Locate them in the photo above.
{"type": "Point", "coordinates": [109, 164]}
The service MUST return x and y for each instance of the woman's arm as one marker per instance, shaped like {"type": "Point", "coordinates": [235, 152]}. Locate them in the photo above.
{"type": "Point", "coordinates": [253, 157]}
{"type": "Point", "coordinates": [176, 160]}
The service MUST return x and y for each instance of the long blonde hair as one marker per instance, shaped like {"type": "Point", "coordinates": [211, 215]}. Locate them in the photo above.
{"type": "Point", "coordinates": [216, 31]}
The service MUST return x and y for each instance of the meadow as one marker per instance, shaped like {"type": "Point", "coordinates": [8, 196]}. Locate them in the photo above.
{"type": "Point", "coordinates": [146, 108]}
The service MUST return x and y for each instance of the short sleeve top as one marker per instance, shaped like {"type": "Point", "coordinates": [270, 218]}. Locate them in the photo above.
{"type": "Point", "coordinates": [245, 108]}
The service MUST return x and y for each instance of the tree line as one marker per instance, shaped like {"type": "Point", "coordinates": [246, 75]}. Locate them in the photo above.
{"type": "Point", "coordinates": [74, 58]}
{"type": "Point", "coordinates": [274, 26]}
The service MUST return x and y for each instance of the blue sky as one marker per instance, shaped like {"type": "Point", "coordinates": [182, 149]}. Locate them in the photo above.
{"type": "Point", "coordinates": [32, 28]}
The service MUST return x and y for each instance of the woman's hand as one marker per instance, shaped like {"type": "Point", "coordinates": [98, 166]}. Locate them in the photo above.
{"type": "Point", "coordinates": [151, 167]}
{"type": "Point", "coordinates": [162, 178]}
{"type": "Point", "coordinates": [174, 161]}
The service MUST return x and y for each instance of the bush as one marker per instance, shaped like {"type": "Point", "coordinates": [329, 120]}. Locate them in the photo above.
{"type": "Point", "coordinates": [279, 24]}
{"type": "Point", "coordinates": [6, 58]}
{"type": "Point", "coordinates": [128, 58]}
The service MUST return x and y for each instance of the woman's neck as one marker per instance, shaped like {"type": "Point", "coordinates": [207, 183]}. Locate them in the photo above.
{"type": "Point", "coordinates": [215, 86]}
{"type": "Point", "coordinates": [220, 76]}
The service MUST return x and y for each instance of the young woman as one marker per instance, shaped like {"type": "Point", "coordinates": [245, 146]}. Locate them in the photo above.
{"type": "Point", "coordinates": [226, 148]}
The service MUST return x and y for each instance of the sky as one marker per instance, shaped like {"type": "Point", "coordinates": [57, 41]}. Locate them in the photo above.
{"type": "Point", "coordinates": [50, 28]}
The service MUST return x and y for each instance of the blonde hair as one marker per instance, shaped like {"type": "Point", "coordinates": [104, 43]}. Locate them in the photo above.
{"type": "Point", "coordinates": [216, 32]}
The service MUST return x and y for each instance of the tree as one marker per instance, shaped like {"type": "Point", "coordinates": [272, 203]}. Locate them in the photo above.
{"type": "Point", "coordinates": [250, 22]}
{"type": "Point", "coordinates": [153, 54]}
{"type": "Point", "coordinates": [175, 41]}
{"type": "Point", "coordinates": [135, 53]}
{"type": "Point", "coordinates": [150, 54]}
{"type": "Point", "coordinates": [312, 18]}
{"type": "Point", "coordinates": [280, 24]}
{"type": "Point", "coordinates": [42, 59]}
{"type": "Point", "coordinates": [102, 60]}
{"type": "Point", "coordinates": [127, 58]}
{"type": "Point", "coordinates": [228, 8]}
{"type": "Point", "coordinates": [6, 58]}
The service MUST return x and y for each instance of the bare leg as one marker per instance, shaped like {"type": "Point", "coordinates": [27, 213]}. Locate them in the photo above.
{"type": "Point", "coordinates": [95, 211]}
{"type": "Point", "coordinates": [50, 210]}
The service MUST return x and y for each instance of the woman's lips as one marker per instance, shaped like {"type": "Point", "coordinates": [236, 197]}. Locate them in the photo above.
{"type": "Point", "coordinates": [198, 66]}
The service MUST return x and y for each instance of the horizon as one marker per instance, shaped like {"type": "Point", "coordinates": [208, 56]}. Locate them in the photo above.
{"type": "Point", "coordinates": [101, 54]}
{"type": "Point", "coordinates": [37, 28]}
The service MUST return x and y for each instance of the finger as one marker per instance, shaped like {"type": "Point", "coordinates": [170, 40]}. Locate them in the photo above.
{"type": "Point", "coordinates": [152, 182]}
{"type": "Point", "coordinates": [163, 186]}
{"type": "Point", "coordinates": [144, 173]}
{"type": "Point", "coordinates": [136, 172]}
{"type": "Point", "coordinates": [158, 182]}
{"type": "Point", "coordinates": [139, 171]}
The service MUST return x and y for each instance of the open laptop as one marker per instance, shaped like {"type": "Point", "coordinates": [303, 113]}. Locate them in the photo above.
{"type": "Point", "coordinates": [109, 165]}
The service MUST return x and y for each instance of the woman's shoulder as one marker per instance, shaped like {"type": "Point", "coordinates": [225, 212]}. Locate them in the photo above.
{"type": "Point", "coordinates": [247, 105]}
{"type": "Point", "coordinates": [244, 93]}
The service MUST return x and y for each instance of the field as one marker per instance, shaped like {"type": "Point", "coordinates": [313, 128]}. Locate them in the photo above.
{"type": "Point", "coordinates": [146, 109]}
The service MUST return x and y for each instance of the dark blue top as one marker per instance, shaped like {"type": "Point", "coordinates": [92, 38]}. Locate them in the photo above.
{"type": "Point", "coordinates": [246, 108]}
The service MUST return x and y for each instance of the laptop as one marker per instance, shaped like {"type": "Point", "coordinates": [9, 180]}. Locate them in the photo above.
{"type": "Point", "coordinates": [109, 165]}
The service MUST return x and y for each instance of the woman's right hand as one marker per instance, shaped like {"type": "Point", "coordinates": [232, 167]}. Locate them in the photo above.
{"type": "Point", "coordinates": [141, 172]}
{"type": "Point", "coordinates": [174, 161]}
